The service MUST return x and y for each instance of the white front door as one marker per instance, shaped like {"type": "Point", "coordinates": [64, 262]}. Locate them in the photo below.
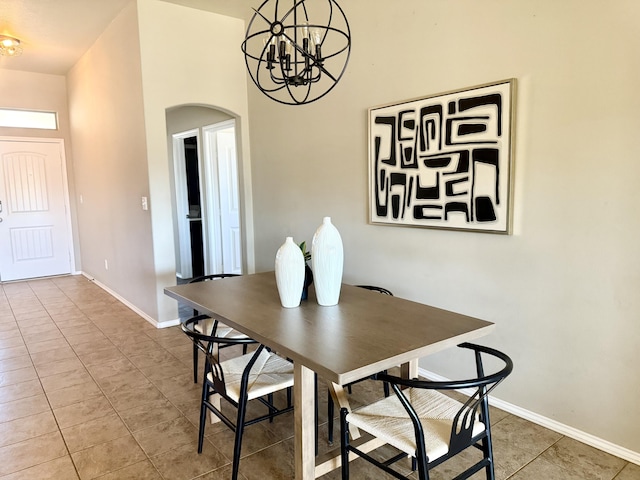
{"type": "Point", "coordinates": [35, 237]}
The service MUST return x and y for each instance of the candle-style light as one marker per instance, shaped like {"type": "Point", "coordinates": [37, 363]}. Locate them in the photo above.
{"type": "Point", "coordinates": [296, 51]}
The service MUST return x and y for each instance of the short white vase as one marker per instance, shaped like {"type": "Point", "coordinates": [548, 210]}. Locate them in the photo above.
{"type": "Point", "coordinates": [327, 258]}
{"type": "Point", "coordinates": [289, 273]}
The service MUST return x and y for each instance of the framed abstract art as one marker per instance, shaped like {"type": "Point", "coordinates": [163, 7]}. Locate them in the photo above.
{"type": "Point", "coordinates": [445, 160]}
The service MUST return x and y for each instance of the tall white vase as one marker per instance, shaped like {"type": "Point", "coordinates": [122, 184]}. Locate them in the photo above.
{"type": "Point", "coordinates": [327, 258]}
{"type": "Point", "coordinates": [289, 273]}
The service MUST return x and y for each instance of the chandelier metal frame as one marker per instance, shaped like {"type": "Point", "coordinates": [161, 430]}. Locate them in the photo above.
{"type": "Point", "coordinates": [292, 58]}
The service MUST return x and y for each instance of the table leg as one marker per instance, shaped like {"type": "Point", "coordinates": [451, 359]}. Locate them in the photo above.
{"type": "Point", "coordinates": [409, 369]}
{"type": "Point", "coordinates": [304, 414]}
{"type": "Point", "coordinates": [340, 399]}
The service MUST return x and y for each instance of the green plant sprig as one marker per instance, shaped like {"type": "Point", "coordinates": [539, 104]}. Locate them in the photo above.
{"type": "Point", "coordinates": [305, 253]}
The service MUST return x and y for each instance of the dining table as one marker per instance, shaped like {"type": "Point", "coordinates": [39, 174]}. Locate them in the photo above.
{"type": "Point", "coordinates": [363, 334]}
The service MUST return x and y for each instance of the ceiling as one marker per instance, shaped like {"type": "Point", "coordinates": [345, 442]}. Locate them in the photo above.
{"type": "Point", "coordinates": [56, 33]}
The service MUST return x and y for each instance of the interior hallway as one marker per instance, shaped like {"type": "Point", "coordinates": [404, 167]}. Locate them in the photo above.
{"type": "Point", "coordinates": [88, 389]}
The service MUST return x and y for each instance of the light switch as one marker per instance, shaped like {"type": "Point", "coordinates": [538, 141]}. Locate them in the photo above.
{"type": "Point", "coordinates": [145, 203]}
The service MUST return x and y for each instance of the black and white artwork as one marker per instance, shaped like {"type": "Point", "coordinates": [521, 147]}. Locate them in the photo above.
{"type": "Point", "coordinates": [444, 161]}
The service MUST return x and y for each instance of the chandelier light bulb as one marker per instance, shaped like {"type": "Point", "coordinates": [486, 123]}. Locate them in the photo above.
{"type": "Point", "coordinates": [316, 36]}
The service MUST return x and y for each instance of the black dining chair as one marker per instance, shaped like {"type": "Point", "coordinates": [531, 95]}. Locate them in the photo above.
{"type": "Point", "coordinates": [427, 425]}
{"type": "Point", "coordinates": [253, 376]}
{"type": "Point", "coordinates": [205, 324]}
{"type": "Point", "coordinates": [330, 404]}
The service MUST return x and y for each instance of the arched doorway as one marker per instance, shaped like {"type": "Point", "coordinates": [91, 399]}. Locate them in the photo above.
{"type": "Point", "coordinates": [206, 195]}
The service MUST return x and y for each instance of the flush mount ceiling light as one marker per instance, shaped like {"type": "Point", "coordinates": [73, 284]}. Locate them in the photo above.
{"type": "Point", "coordinates": [296, 51]}
{"type": "Point", "coordinates": [10, 46]}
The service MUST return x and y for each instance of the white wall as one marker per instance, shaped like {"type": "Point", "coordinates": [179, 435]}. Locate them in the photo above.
{"type": "Point", "coordinates": [199, 69]}
{"type": "Point", "coordinates": [563, 288]}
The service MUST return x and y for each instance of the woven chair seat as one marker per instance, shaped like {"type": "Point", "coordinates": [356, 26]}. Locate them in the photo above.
{"type": "Point", "coordinates": [269, 374]}
{"type": "Point", "coordinates": [238, 380]}
{"type": "Point", "coordinates": [222, 331]}
{"type": "Point", "coordinates": [388, 420]}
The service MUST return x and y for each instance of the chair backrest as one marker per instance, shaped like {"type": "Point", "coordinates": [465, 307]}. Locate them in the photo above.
{"type": "Point", "coordinates": [376, 289]}
{"type": "Point", "coordinates": [476, 407]}
{"type": "Point", "coordinates": [210, 346]}
{"type": "Point", "coordinates": [214, 276]}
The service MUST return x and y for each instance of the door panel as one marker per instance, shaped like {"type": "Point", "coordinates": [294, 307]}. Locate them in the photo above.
{"type": "Point", "coordinates": [229, 201]}
{"type": "Point", "coordinates": [34, 232]}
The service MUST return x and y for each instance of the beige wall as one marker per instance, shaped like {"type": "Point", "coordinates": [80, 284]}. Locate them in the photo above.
{"type": "Point", "coordinates": [37, 91]}
{"type": "Point", "coordinates": [110, 158]}
{"type": "Point", "coordinates": [563, 289]}
{"type": "Point", "coordinates": [190, 117]}
{"type": "Point", "coordinates": [118, 106]}
{"type": "Point", "coordinates": [200, 69]}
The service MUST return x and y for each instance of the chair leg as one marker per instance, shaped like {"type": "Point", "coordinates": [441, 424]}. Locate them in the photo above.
{"type": "Point", "coordinates": [344, 444]}
{"type": "Point", "coordinates": [487, 449]}
{"type": "Point", "coordinates": [385, 386]}
{"type": "Point", "coordinates": [423, 471]}
{"type": "Point", "coordinates": [237, 446]}
{"type": "Point", "coordinates": [330, 414]}
{"type": "Point", "coordinates": [203, 416]}
{"type": "Point", "coordinates": [195, 363]}
{"type": "Point", "coordinates": [270, 400]}
{"type": "Point", "coordinates": [487, 442]}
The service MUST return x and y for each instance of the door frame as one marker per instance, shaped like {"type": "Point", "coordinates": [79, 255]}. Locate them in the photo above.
{"type": "Point", "coordinates": [66, 197]}
{"type": "Point", "coordinates": [182, 201]}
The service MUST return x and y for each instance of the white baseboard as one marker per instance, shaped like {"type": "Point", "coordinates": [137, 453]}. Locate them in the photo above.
{"type": "Point", "coordinates": [168, 323]}
{"type": "Point", "coordinates": [579, 435]}
{"type": "Point", "coordinates": [152, 321]}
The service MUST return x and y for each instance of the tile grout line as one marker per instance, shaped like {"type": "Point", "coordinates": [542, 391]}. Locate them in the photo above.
{"type": "Point", "coordinates": [118, 413]}
{"type": "Point", "coordinates": [106, 398]}
{"type": "Point", "coordinates": [59, 430]}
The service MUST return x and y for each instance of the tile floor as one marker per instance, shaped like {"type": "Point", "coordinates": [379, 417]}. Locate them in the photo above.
{"type": "Point", "coordinates": [88, 389]}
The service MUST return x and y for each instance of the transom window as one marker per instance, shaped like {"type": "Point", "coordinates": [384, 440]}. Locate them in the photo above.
{"type": "Point", "coordinates": [28, 119]}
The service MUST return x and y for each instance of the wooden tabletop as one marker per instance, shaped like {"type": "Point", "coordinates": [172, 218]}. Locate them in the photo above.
{"type": "Point", "coordinates": [365, 333]}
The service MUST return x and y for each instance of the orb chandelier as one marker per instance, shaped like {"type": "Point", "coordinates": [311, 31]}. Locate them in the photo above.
{"type": "Point", "coordinates": [296, 51]}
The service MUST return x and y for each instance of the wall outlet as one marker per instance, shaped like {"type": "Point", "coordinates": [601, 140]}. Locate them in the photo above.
{"type": "Point", "coordinates": [106, 264]}
{"type": "Point", "coordinates": [145, 203]}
